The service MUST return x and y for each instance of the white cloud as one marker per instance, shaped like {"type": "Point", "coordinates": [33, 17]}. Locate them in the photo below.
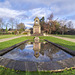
{"type": "Point", "coordinates": [46, 2]}
{"type": "Point", "coordinates": [5, 12]}
{"type": "Point", "coordinates": [29, 22]}
{"type": "Point", "coordinates": [60, 8]}
{"type": "Point", "coordinates": [28, 26]}
{"type": "Point", "coordinates": [63, 7]}
{"type": "Point", "coordinates": [73, 21]}
{"type": "Point", "coordinates": [40, 12]}
{"type": "Point", "coordinates": [5, 4]}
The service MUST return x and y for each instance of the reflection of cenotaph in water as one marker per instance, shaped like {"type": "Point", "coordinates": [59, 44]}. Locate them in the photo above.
{"type": "Point", "coordinates": [36, 48]}
{"type": "Point", "coordinates": [42, 48]}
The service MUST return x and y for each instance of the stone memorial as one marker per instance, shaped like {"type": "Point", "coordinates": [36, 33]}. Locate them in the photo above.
{"type": "Point", "coordinates": [36, 27]}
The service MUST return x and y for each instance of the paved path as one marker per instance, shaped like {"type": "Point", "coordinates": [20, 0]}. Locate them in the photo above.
{"type": "Point", "coordinates": [67, 39]}
{"type": "Point", "coordinates": [6, 39]}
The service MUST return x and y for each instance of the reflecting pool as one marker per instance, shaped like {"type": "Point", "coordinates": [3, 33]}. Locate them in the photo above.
{"type": "Point", "coordinates": [37, 52]}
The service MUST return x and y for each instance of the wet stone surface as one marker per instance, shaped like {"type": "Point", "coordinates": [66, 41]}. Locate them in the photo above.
{"type": "Point", "coordinates": [31, 66]}
{"type": "Point", "coordinates": [67, 63]}
{"type": "Point", "coordinates": [37, 56]}
{"type": "Point", "coordinates": [40, 66]}
{"type": "Point", "coordinates": [20, 66]}
{"type": "Point", "coordinates": [49, 66]}
{"type": "Point", "coordinates": [11, 64]}
{"type": "Point", "coordinates": [4, 62]}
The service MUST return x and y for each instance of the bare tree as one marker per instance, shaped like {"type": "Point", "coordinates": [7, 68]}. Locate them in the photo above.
{"type": "Point", "coordinates": [21, 27]}
{"type": "Point", "coordinates": [12, 22]}
{"type": "Point", "coordinates": [63, 26]}
{"type": "Point", "coordinates": [50, 17]}
{"type": "Point", "coordinates": [53, 24]}
{"type": "Point", "coordinates": [70, 25]}
{"type": "Point", "coordinates": [1, 24]}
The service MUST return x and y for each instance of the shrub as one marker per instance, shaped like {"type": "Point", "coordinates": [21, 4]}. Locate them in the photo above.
{"type": "Point", "coordinates": [15, 32]}
{"type": "Point", "coordinates": [25, 33]}
{"type": "Point", "coordinates": [19, 32]}
{"type": "Point", "coordinates": [12, 32]}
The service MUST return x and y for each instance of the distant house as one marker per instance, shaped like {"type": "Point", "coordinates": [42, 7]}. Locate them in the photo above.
{"type": "Point", "coordinates": [27, 32]}
{"type": "Point", "coordinates": [3, 30]}
{"type": "Point", "coordinates": [11, 30]}
{"type": "Point", "coordinates": [70, 32]}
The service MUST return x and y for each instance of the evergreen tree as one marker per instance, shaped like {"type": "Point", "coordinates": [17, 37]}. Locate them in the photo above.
{"type": "Point", "coordinates": [6, 30]}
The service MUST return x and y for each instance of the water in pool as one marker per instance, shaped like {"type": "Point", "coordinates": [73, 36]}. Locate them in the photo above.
{"type": "Point", "coordinates": [37, 52]}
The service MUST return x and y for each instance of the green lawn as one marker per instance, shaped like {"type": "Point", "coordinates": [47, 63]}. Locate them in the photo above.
{"type": "Point", "coordinates": [67, 36]}
{"type": "Point", "coordinates": [7, 36]}
{"type": "Point", "coordinates": [14, 41]}
{"type": "Point", "coordinates": [6, 71]}
{"type": "Point", "coordinates": [68, 44]}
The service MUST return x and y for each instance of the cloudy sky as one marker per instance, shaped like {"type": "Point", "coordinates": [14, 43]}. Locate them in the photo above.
{"type": "Point", "coordinates": [27, 10]}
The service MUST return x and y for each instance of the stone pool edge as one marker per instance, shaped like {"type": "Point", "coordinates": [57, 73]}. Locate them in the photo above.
{"type": "Point", "coordinates": [3, 51]}
{"type": "Point", "coordinates": [57, 66]}
{"type": "Point", "coordinates": [53, 66]}
{"type": "Point", "coordinates": [63, 48]}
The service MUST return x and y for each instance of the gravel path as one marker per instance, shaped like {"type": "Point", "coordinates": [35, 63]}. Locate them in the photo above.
{"type": "Point", "coordinates": [6, 39]}
{"type": "Point", "coordinates": [67, 39]}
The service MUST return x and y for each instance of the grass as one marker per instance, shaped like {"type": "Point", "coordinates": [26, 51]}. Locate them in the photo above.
{"type": "Point", "coordinates": [68, 44]}
{"type": "Point", "coordinates": [14, 41]}
{"type": "Point", "coordinates": [7, 36]}
{"type": "Point", "coordinates": [7, 71]}
{"type": "Point", "coordinates": [67, 36]}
